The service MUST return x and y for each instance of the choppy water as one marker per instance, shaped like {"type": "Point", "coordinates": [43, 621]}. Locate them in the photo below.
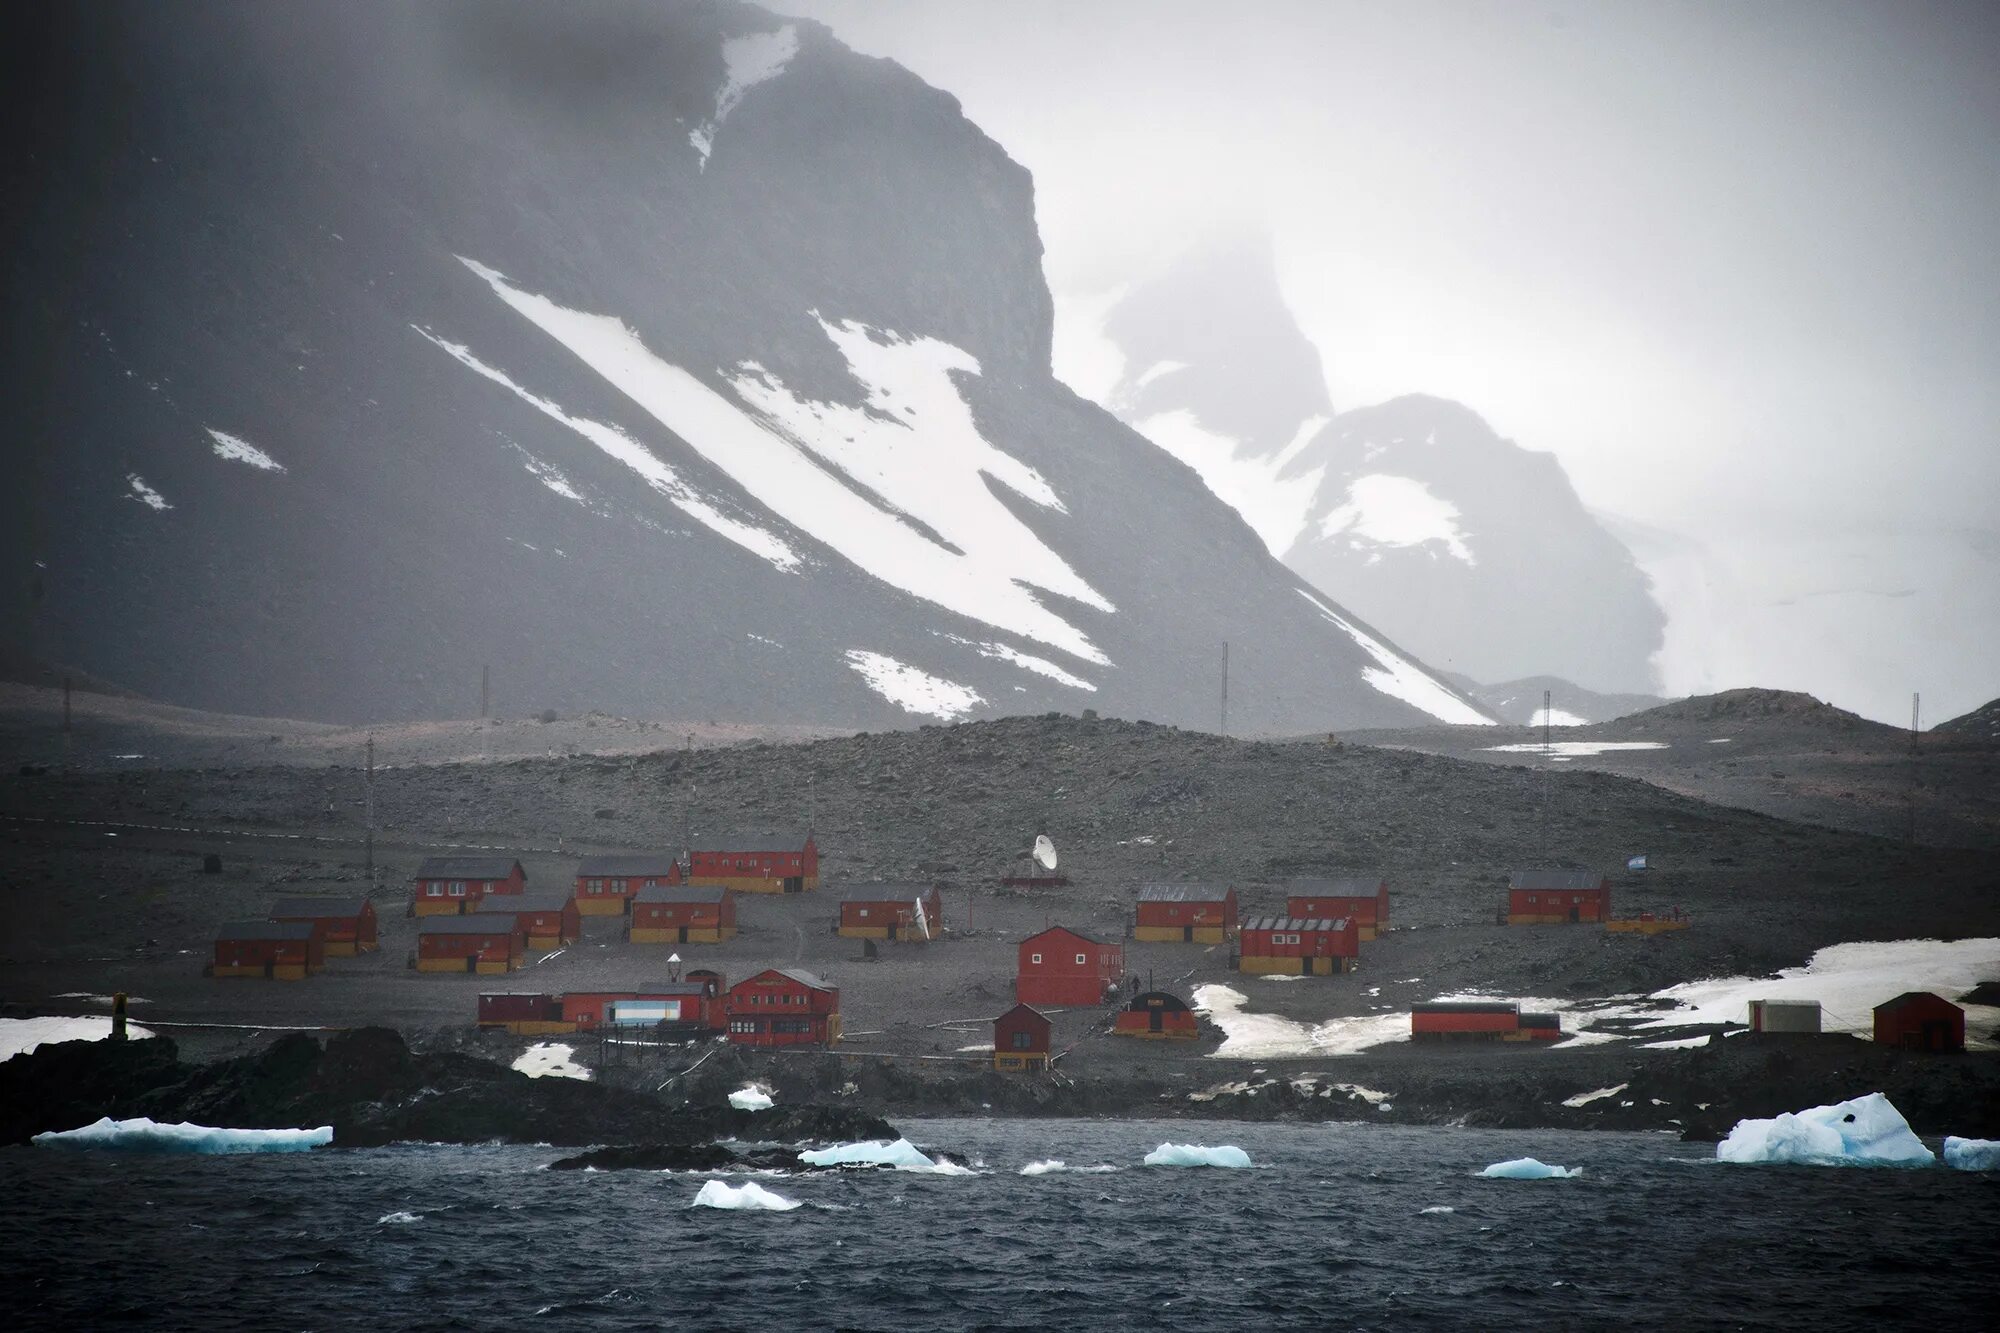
{"type": "Point", "coordinates": [1329, 1230]}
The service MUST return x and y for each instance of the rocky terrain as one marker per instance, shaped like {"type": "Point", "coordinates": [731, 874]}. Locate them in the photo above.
{"type": "Point", "coordinates": [1519, 702]}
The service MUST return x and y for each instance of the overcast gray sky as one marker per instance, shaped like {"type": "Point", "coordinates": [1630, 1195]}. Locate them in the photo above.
{"type": "Point", "coordinates": [1738, 265]}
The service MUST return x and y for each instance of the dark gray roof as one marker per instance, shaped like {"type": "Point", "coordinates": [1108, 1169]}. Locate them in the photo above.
{"type": "Point", "coordinates": [670, 988]}
{"type": "Point", "coordinates": [1067, 930]}
{"type": "Point", "coordinates": [751, 841]}
{"type": "Point", "coordinates": [1291, 923]}
{"type": "Point", "coordinates": [467, 867]}
{"type": "Point", "coordinates": [806, 978]}
{"type": "Point", "coordinates": [885, 891]}
{"type": "Point", "coordinates": [479, 923]}
{"type": "Point", "coordinates": [1561, 881]}
{"type": "Point", "coordinates": [1352, 887]}
{"type": "Point", "coordinates": [316, 907]}
{"type": "Point", "coordinates": [1184, 893]}
{"type": "Point", "coordinates": [1466, 1007]}
{"type": "Point", "coordinates": [540, 900]}
{"type": "Point", "coordinates": [675, 893]}
{"type": "Point", "coordinates": [628, 865]}
{"type": "Point", "coordinates": [266, 930]}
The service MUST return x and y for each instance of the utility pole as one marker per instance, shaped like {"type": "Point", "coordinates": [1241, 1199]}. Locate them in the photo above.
{"type": "Point", "coordinates": [1910, 812]}
{"type": "Point", "coordinates": [485, 689]}
{"type": "Point", "coordinates": [1225, 687]}
{"type": "Point", "coordinates": [65, 705]}
{"type": "Point", "coordinates": [1547, 744]}
{"type": "Point", "coordinates": [368, 782]}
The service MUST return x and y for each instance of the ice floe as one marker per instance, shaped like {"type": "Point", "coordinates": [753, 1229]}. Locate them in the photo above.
{"type": "Point", "coordinates": [145, 494]}
{"type": "Point", "coordinates": [1528, 1168]}
{"type": "Point", "coordinates": [1864, 1131]}
{"type": "Point", "coordinates": [1400, 678]}
{"type": "Point", "coordinates": [1972, 1154]}
{"type": "Point", "coordinates": [550, 1059]}
{"type": "Point", "coordinates": [911, 689]}
{"type": "Point", "coordinates": [239, 450]}
{"type": "Point", "coordinates": [1198, 1154]}
{"type": "Point", "coordinates": [21, 1035]}
{"type": "Point", "coordinates": [751, 1098]}
{"type": "Point", "coordinates": [1435, 1209]}
{"type": "Point", "coordinates": [1386, 510]}
{"type": "Point", "coordinates": [747, 1197]}
{"type": "Point", "coordinates": [902, 1155]}
{"type": "Point", "coordinates": [144, 1135]}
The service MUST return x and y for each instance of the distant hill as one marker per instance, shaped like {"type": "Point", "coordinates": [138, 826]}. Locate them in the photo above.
{"type": "Point", "coordinates": [1752, 706]}
{"type": "Point", "coordinates": [1520, 701]}
{"type": "Point", "coordinates": [1982, 723]}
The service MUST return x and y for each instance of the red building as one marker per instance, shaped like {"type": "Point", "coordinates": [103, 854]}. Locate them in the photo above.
{"type": "Point", "coordinates": [1156, 1015]}
{"type": "Point", "coordinates": [548, 920]}
{"type": "Point", "coordinates": [485, 943]}
{"type": "Point", "coordinates": [716, 987]}
{"type": "Point", "coordinates": [278, 950]}
{"type": "Point", "coordinates": [1188, 913]}
{"type": "Point", "coordinates": [783, 1006]}
{"type": "Point", "coordinates": [755, 862]}
{"type": "Point", "coordinates": [525, 1014]}
{"type": "Point", "coordinates": [1060, 966]}
{"type": "Point", "coordinates": [1364, 901]}
{"type": "Point", "coordinates": [693, 1005]}
{"type": "Point", "coordinates": [683, 916]}
{"type": "Point", "coordinates": [891, 912]}
{"type": "Point", "coordinates": [455, 885]}
{"type": "Point", "coordinates": [347, 925]}
{"type": "Point", "coordinates": [1920, 1021]}
{"type": "Point", "coordinates": [1021, 1040]}
{"type": "Point", "coordinates": [1557, 897]}
{"type": "Point", "coordinates": [1480, 1020]}
{"type": "Point", "coordinates": [606, 885]}
{"type": "Point", "coordinates": [1297, 946]}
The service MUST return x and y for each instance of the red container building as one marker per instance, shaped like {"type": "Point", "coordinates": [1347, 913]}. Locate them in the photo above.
{"type": "Point", "coordinates": [1188, 913]}
{"type": "Point", "coordinates": [1021, 1040]}
{"type": "Point", "coordinates": [1061, 966]}
{"type": "Point", "coordinates": [1297, 946]}
{"type": "Point", "coordinates": [783, 1006]}
{"type": "Point", "coordinates": [891, 912]}
{"type": "Point", "coordinates": [755, 862]}
{"type": "Point", "coordinates": [1364, 901]}
{"type": "Point", "coordinates": [547, 920]}
{"type": "Point", "coordinates": [485, 943]}
{"type": "Point", "coordinates": [276, 950]}
{"type": "Point", "coordinates": [1480, 1020]}
{"type": "Point", "coordinates": [455, 885]}
{"type": "Point", "coordinates": [523, 1013]}
{"type": "Point", "coordinates": [1920, 1021]}
{"type": "Point", "coordinates": [347, 925]}
{"type": "Point", "coordinates": [1557, 897]}
{"type": "Point", "coordinates": [606, 885]}
{"type": "Point", "coordinates": [1157, 1016]}
{"type": "Point", "coordinates": [665, 915]}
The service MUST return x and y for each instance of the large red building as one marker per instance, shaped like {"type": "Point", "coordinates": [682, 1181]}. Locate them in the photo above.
{"type": "Point", "coordinates": [783, 1006]}
{"type": "Point", "coordinates": [1022, 1038]}
{"type": "Point", "coordinates": [683, 916]}
{"type": "Point", "coordinates": [346, 924]}
{"type": "Point", "coordinates": [1191, 913]}
{"type": "Point", "coordinates": [755, 862]}
{"type": "Point", "coordinates": [279, 950]}
{"type": "Point", "coordinates": [891, 912]}
{"type": "Point", "coordinates": [606, 885]}
{"type": "Point", "coordinates": [484, 942]}
{"type": "Point", "coordinates": [1557, 897]}
{"type": "Point", "coordinates": [1920, 1021]}
{"type": "Point", "coordinates": [1061, 966]}
{"type": "Point", "coordinates": [1365, 901]}
{"type": "Point", "coordinates": [455, 885]}
{"type": "Point", "coordinates": [1297, 946]}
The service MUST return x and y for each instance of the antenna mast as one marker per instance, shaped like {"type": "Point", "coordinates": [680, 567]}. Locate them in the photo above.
{"type": "Point", "coordinates": [368, 782]}
{"type": "Point", "coordinates": [1225, 687]}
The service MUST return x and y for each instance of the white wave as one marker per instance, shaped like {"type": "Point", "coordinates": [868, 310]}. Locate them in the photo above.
{"type": "Point", "coordinates": [396, 1219]}
{"type": "Point", "coordinates": [1054, 1165]}
{"type": "Point", "coordinates": [1400, 678]}
{"type": "Point", "coordinates": [144, 1135]}
{"type": "Point", "coordinates": [913, 690]}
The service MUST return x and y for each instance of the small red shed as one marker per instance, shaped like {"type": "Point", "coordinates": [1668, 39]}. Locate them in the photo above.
{"type": "Point", "coordinates": [346, 924]}
{"type": "Point", "coordinates": [1158, 1016]}
{"type": "Point", "coordinates": [1557, 897]}
{"type": "Point", "coordinates": [755, 862]}
{"type": "Point", "coordinates": [278, 950]}
{"type": "Point", "coordinates": [1021, 1040]}
{"type": "Point", "coordinates": [455, 885]}
{"type": "Point", "coordinates": [1297, 946]}
{"type": "Point", "coordinates": [1363, 900]}
{"type": "Point", "coordinates": [606, 885]}
{"type": "Point", "coordinates": [783, 1006]}
{"type": "Point", "coordinates": [547, 920]}
{"type": "Point", "coordinates": [1188, 913]}
{"type": "Point", "coordinates": [890, 912]}
{"type": "Point", "coordinates": [1920, 1021]}
{"type": "Point", "coordinates": [485, 943]}
{"type": "Point", "coordinates": [1063, 966]}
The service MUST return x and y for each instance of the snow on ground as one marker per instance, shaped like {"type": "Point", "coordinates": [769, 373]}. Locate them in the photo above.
{"type": "Point", "coordinates": [1865, 1131]}
{"type": "Point", "coordinates": [144, 1135]}
{"type": "Point", "coordinates": [145, 494]}
{"type": "Point", "coordinates": [1527, 1168]}
{"type": "Point", "coordinates": [1261, 1036]}
{"type": "Point", "coordinates": [1385, 510]}
{"type": "Point", "coordinates": [18, 1036]}
{"type": "Point", "coordinates": [1679, 1044]}
{"type": "Point", "coordinates": [1573, 749]}
{"type": "Point", "coordinates": [1586, 1098]}
{"type": "Point", "coordinates": [1403, 679]}
{"type": "Point", "coordinates": [1277, 507]}
{"type": "Point", "coordinates": [913, 447]}
{"type": "Point", "coordinates": [550, 1059]}
{"type": "Point", "coordinates": [912, 690]}
{"type": "Point", "coordinates": [1556, 717]}
{"type": "Point", "coordinates": [640, 459]}
{"type": "Point", "coordinates": [549, 475]}
{"type": "Point", "coordinates": [1198, 1154]}
{"type": "Point", "coordinates": [239, 450]}
{"type": "Point", "coordinates": [747, 1197]}
{"type": "Point", "coordinates": [1002, 652]}
{"type": "Point", "coordinates": [757, 58]}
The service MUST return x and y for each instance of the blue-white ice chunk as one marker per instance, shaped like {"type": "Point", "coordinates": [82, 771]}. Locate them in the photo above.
{"type": "Point", "coordinates": [1866, 1131]}
{"type": "Point", "coordinates": [1972, 1154]}
{"type": "Point", "coordinates": [902, 1154]}
{"type": "Point", "coordinates": [747, 1197]}
{"type": "Point", "coordinates": [1527, 1168]}
{"type": "Point", "coordinates": [1197, 1154]}
{"type": "Point", "coordinates": [143, 1135]}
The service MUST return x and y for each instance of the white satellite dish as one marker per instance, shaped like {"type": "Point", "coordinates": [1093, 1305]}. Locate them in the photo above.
{"type": "Point", "coordinates": [1045, 851]}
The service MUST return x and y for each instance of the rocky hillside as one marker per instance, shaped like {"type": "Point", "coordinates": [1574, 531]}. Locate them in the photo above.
{"type": "Point", "coordinates": [1982, 723]}
{"type": "Point", "coordinates": [671, 360]}
{"type": "Point", "coordinates": [1520, 701]}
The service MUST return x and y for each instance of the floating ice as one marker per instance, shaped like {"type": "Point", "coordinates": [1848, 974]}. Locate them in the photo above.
{"type": "Point", "coordinates": [747, 1197]}
{"type": "Point", "coordinates": [1866, 1131]}
{"type": "Point", "coordinates": [902, 1154]}
{"type": "Point", "coordinates": [18, 1036]}
{"type": "Point", "coordinates": [551, 1059]}
{"type": "Point", "coordinates": [1197, 1154]}
{"type": "Point", "coordinates": [1437, 1208]}
{"type": "Point", "coordinates": [1972, 1154]}
{"type": "Point", "coordinates": [239, 450]}
{"type": "Point", "coordinates": [395, 1219]}
{"type": "Point", "coordinates": [752, 1098]}
{"type": "Point", "coordinates": [143, 1135]}
{"type": "Point", "coordinates": [145, 494]}
{"type": "Point", "coordinates": [1527, 1168]}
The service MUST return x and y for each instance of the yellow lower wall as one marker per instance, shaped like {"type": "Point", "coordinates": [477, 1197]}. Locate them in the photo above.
{"type": "Point", "coordinates": [539, 1027]}
{"type": "Point", "coordinates": [490, 969]}
{"type": "Point", "coordinates": [865, 932]}
{"type": "Point", "coordinates": [1177, 934]}
{"type": "Point", "coordinates": [746, 883]}
{"type": "Point", "coordinates": [1544, 919]}
{"type": "Point", "coordinates": [341, 949]}
{"type": "Point", "coordinates": [672, 934]}
{"type": "Point", "coordinates": [439, 906]}
{"type": "Point", "coordinates": [440, 965]}
{"type": "Point", "coordinates": [1633, 926]}
{"type": "Point", "coordinates": [610, 905]}
{"type": "Point", "coordinates": [1012, 1062]}
{"type": "Point", "coordinates": [1365, 932]}
{"type": "Point", "coordinates": [284, 972]}
{"type": "Point", "coordinates": [1293, 967]}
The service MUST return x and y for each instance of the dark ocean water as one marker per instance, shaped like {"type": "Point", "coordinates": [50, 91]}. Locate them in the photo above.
{"type": "Point", "coordinates": [1328, 1230]}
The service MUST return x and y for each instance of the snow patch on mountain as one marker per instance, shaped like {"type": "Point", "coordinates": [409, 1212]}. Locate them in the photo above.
{"type": "Point", "coordinates": [1384, 510]}
{"type": "Point", "coordinates": [808, 463]}
{"type": "Point", "coordinates": [1041, 666]}
{"type": "Point", "coordinates": [549, 475]}
{"type": "Point", "coordinates": [1401, 678]}
{"type": "Point", "coordinates": [1276, 506]}
{"type": "Point", "coordinates": [145, 494]}
{"type": "Point", "coordinates": [911, 689]}
{"type": "Point", "coordinates": [750, 60]}
{"type": "Point", "coordinates": [1556, 717]}
{"type": "Point", "coordinates": [619, 445]}
{"type": "Point", "coordinates": [239, 450]}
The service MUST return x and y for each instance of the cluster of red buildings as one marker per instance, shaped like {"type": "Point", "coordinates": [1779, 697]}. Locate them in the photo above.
{"type": "Point", "coordinates": [295, 939]}
{"type": "Point", "coordinates": [775, 1007]}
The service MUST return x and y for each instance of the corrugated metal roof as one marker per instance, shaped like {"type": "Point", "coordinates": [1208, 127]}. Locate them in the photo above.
{"type": "Point", "coordinates": [753, 841]}
{"type": "Point", "coordinates": [805, 978]}
{"type": "Point", "coordinates": [1183, 893]}
{"type": "Point", "coordinates": [467, 867]}
{"type": "Point", "coordinates": [266, 930]}
{"type": "Point", "coordinates": [316, 908]}
{"type": "Point", "coordinates": [1292, 923]}
{"type": "Point", "coordinates": [1466, 1007]}
{"type": "Point", "coordinates": [673, 988]}
{"type": "Point", "coordinates": [675, 893]}
{"type": "Point", "coordinates": [627, 865]}
{"type": "Point", "coordinates": [1363, 886]}
{"type": "Point", "coordinates": [542, 900]}
{"type": "Point", "coordinates": [1050, 930]}
{"type": "Point", "coordinates": [479, 923]}
{"type": "Point", "coordinates": [887, 891]}
{"type": "Point", "coordinates": [1561, 881]}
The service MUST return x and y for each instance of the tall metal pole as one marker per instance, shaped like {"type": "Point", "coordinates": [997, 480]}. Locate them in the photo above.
{"type": "Point", "coordinates": [368, 782]}
{"type": "Point", "coordinates": [1910, 813]}
{"type": "Point", "coordinates": [65, 705]}
{"type": "Point", "coordinates": [1546, 742]}
{"type": "Point", "coordinates": [485, 689]}
{"type": "Point", "coordinates": [1225, 687]}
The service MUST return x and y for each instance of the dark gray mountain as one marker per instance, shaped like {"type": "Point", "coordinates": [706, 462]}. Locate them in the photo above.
{"type": "Point", "coordinates": [672, 359]}
{"type": "Point", "coordinates": [1520, 701]}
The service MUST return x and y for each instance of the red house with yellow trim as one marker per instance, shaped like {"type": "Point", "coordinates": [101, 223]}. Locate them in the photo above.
{"type": "Point", "coordinates": [1188, 913]}
{"type": "Point", "coordinates": [547, 920]}
{"type": "Point", "coordinates": [755, 862]}
{"type": "Point", "coordinates": [1365, 901]}
{"type": "Point", "coordinates": [275, 950]}
{"type": "Point", "coordinates": [891, 912]}
{"type": "Point", "coordinates": [1021, 1040]}
{"type": "Point", "coordinates": [678, 915]}
{"type": "Point", "coordinates": [1557, 898]}
{"type": "Point", "coordinates": [606, 885]}
{"type": "Point", "coordinates": [485, 943]}
{"type": "Point", "coordinates": [1297, 946]}
{"type": "Point", "coordinates": [455, 885]}
{"type": "Point", "coordinates": [347, 925]}
{"type": "Point", "coordinates": [1157, 1016]}
{"type": "Point", "coordinates": [1066, 967]}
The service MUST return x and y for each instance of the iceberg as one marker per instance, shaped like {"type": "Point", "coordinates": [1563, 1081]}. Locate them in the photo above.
{"type": "Point", "coordinates": [902, 1154]}
{"type": "Point", "coordinates": [747, 1197]}
{"type": "Point", "coordinates": [143, 1135]}
{"type": "Point", "coordinates": [1866, 1131]}
{"type": "Point", "coordinates": [1972, 1154]}
{"type": "Point", "coordinates": [752, 1098]}
{"type": "Point", "coordinates": [1196, 1154]}
{"type": "Point", "coordinates": [1527, 1168]}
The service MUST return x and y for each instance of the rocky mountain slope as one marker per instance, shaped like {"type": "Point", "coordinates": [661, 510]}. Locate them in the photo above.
{"type": "Point", "coordinates": [1520, 701]}
{"type": "Point", "coordinates": [672, 360]}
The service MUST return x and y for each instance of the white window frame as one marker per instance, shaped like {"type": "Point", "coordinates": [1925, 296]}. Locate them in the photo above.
{"type": "Point", "coordinates": [1082, 960]}
{"type": "Point", "coordinates": [458, 888]}
{"type": "Point", "coordinates": [1034, 958]}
